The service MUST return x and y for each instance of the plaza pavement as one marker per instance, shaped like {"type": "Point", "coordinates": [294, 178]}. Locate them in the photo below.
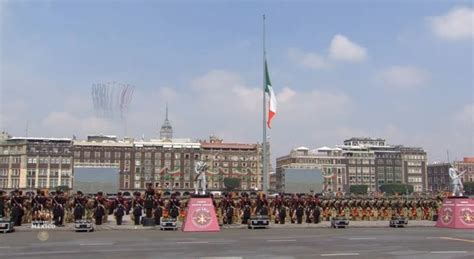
{"type": "Point", "coordinates": [127, 224]}
{"type": "Point", "coordinates": [368, 242]}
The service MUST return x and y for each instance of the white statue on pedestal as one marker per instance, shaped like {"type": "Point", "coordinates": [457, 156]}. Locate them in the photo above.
{"type": "Point", "coordinates": [456, 181]}
{"type": "Point", "coordinates": [200, 168]}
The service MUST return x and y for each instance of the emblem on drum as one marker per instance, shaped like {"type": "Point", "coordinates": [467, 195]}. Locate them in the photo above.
{"type": "Point", "coordinates": [201, 218]}
{"type": "Point", "coordinates": [467, 216]}
{"type": "Point", "coordinates": [448, 216]}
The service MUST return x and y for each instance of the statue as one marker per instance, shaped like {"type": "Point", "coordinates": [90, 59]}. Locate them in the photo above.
{"type": "Point", "coordinates": [200, 168]}
{"type": "Point", "coordinates": [456, 181]}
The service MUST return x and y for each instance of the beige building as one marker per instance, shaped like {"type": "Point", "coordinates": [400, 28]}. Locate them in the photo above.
{"type": "Point", "coordinates": [329, 161]}
{"type": "Point", "coordinates": [31, 163]}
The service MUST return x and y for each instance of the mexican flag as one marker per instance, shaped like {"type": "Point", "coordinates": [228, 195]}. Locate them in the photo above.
{"type": "Point", "coordinates": [272, 104]}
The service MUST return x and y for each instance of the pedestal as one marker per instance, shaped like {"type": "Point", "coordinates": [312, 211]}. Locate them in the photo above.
{"type": "Point", "coordinates": [201, 216]}
{"type": "Point", "coordinates": [456, 212]}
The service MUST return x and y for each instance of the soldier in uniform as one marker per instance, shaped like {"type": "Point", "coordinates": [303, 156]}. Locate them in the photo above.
{"type": "Point", "coordinates": [3, 201]}
{"type": "Point", "coordinates": [99, 208]}
{"type": "Point", "coordinates": [282, 214]}
{"type": "Point", "coordinates": [137, 206]}
{"type": "Point", "coordinates": [173, 206]}
{"type": "Point", "coordinates": [119, 208]}
{"type": "Point", "coordinates": [38, 203]}
{"type": "Point", "coordinates": [158, 212]}
{"type": "Point", "coordinates": [79, 206]}
{"type": "Point", "coordinates": [58, 208]}
{"type": "Point", "coordinates": [17, 210]}
{"type": "Point", "coordinates": [149, 200]}
{"type": "Point", "coordinates": [299, 213]}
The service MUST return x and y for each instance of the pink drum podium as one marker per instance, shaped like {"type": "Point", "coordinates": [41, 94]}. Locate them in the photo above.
{"type": "Point", "coordinates": [201, 215]}
{"type": "Point", "coordinates": [456, 212]}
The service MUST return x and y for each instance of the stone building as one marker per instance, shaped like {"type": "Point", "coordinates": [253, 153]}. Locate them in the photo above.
{"type": "Point", "coordinates": [438, 177]}
{"type": "Point", "coordinates": [30, 163]}
{"type": "Point", "coordinates": [466, 164]}
{"type": "Point", "coordinates": [360, 161]}
{"type": "Point", "coordinates": [329, 161]}
{"type": "Point", "coordinates": [236, 160]}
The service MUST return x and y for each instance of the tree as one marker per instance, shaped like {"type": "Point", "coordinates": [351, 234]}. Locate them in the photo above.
{"type": "Point", "coordinates": [358, 189]}
{"type": "Point", "coordinates": [231, 183]}
{"type": "Point", "coordinates": [395, 188]}
{"type": "Point", "coordinates": [469, 188]}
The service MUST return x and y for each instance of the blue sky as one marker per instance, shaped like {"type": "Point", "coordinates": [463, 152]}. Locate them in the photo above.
{"type": "Point", "coordinates": [400, 70]}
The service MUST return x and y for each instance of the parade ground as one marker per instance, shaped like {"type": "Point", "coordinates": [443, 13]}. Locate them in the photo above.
{"type": "Point", "coordinates": [371, 242]}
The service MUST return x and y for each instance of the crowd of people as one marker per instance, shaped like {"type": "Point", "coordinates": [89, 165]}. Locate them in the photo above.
{"type": "Point", "coordinates": [61, 208]}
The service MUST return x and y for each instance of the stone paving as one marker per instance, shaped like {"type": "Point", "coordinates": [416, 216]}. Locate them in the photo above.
{"type": "Point", "coordinates": [127, 224]}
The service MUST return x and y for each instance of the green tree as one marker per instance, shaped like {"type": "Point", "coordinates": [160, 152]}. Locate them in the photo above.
{"type": "Point", "coordinates": [358, 189]}
{"type": "Point", "coordinates": [231, 183]}
{"type": "Point", "coordinates": [397, 188]}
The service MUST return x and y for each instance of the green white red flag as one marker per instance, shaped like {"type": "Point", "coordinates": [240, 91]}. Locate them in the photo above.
{"type": "Point", "coordinates": [272, 103]}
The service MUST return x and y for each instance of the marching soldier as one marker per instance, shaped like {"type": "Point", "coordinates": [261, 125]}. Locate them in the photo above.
{"type": "Point", "coordinates": [17, 210]}
{"type": "Point", "coordinates": [158, 213]}
{"type": "Point", "coordinates": [137, 205]}
{"type": "Point", "coordinates": [119, 208]}
{"type": "Point", "coordinates": [38, 203]}
{"type": "Point", "coordinates": [149, 200]}
{"type": "Point", "coordinates": [99, 208]}
{"type": "Point", "coordinates": [3, 201]}
{"type": "Point", "coordinates": [282, 214]}
{"type": "Point", "coordinates": [316, 214]}
{"type": "Point", "coordinates": [299, 213]}
{"type": "Point", "coordinates": [173, 206]}
{"type": "Point", "coordinates": [79, 206]}
{"type": "Point", "coordinates": [58, 208]}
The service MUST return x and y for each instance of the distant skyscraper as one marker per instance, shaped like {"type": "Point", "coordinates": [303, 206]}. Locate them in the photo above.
{"type": "Point", "coordinates": [166, 131]}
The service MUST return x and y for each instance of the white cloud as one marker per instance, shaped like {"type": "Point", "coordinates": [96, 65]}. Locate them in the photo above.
{"type": "Point", "coordinates": [402, 77]}
{"type": "Point", "coordinates": [457, 24]}
{"type": "Point", "coordinates": [343, 49]}
{"type": "Point", "coordinates": [307, 59]}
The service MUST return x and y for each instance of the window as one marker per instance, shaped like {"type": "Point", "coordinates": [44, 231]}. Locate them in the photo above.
{"type": "Point", "coordinates": [137, 185]}
{"type": "Point", "coordinates": [65, 182]}
{"type": "Point", "coordinates": [43, 172]}
{"type": "Point", "coordinates": [3, 172]}
{"type": "Point", "coordinates": [31, 173]}
{"type": "Point", "coordinates": [30, 182]}
{"type": "Point", "coordinates": [15, 183]}
{"type": "Point", "coordinates": [15, 172]}
{"type": "Point", "coordinates": [3, 183]}
{"type": "Point", "coordinates": [53, 182]}
{"type": "Point", "coordinates": [42, 182]}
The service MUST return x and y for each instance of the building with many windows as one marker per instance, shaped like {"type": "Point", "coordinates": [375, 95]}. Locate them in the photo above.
{"type": "Point", "coordinates": [360, 161]}
{"type": "Point", "coordinates": [31, 163]}
{"type": "Point", "coordinates": [438, 177]}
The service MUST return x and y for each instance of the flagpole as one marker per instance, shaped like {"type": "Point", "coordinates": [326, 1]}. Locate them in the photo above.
{"type": "Point", "coordinates": [264, 140]}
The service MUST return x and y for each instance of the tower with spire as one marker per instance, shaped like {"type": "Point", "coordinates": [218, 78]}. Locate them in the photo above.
{"type": "Point", "coordinates": [166, 131]}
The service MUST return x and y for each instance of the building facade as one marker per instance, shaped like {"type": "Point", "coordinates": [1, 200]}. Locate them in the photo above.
{"type": "Point", "coordinates": [438, 177]}
{"type": "Point", "coordinates": [330, 161]}
{"type": "Point", "coordinates": [360, 161]}
{"type": "Point", "coordinates": [467, 164]}
{"type": "Point", "coordinates": [31, 163]}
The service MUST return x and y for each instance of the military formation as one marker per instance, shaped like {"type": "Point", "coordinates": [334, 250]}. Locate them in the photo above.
{"type": "Point", "coordinates": [60, 208]}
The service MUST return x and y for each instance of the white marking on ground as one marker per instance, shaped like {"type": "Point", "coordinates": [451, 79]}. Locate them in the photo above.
{"type": "Point", "coordinates": [96, 244]}
{"type": "Point", "coordinates": [281, 240]}
{"type": "Point", "coordinates": [362, 238]}
{"type": "Point", "coordinates": [193, 242]}
{"type": "Point", "coordinates": [4, 247]}
{"type": "Point", "coordinates": [340, 254]}
{"type": "Point", "coordinates": [448, 252]}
